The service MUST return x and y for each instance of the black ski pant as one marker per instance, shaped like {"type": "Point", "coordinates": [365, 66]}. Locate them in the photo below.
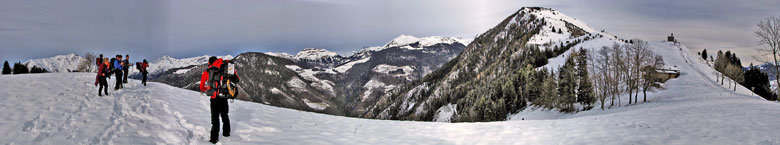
{"type": "Point", "coordinates": [124, 78]}
{"type": "Point", "coordinates": [219, 108]}
{"type": "Point", "coordinates": [118, 74]}
{"type": "Point", "coordinates": [103, 83]}
{"type": "Point", "coordinates": [143, 81]}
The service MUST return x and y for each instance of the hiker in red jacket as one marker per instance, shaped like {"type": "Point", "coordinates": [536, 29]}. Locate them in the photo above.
{"type": "Point", "coordinates": [102, 74]}
{"type": "Point", "coordinates": [209, 83]}
{"type": "Point", "coordinates": [142, 68]}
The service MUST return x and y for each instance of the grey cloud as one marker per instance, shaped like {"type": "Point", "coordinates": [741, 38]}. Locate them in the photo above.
{"type": "Point", "coordinates": [184, 28]}
{"type": "Point", "coordinates": [34, 29]}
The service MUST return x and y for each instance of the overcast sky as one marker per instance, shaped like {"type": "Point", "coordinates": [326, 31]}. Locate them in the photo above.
{"type": "Point", "coordinates": [186, 28]}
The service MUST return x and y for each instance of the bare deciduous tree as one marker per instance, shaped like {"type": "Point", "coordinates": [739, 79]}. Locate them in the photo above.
{"type": "Point", "coordinates": [648, 76]}
{"type": "Point", "coordinates": [607, 72]}
{"type": "Point", "coordinates": [617, 70]}
{"type": "Point", "coordinates": [638, 56]}
{"type": "Point", "coordinates": [599, 68]}
{"type": "Point", "coordinates": [769, 33]}
{"type": "Point", "coordinates": [86, 64]}
{"type": "Point", "coordinates": [624, 68]}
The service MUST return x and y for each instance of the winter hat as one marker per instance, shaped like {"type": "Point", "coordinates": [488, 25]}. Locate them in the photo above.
{"type": "Point", "coordinates": [212, 59]}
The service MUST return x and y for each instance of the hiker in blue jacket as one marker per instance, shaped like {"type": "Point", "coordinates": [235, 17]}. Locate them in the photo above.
{"type": "Point", "coordinates": [118, 72]}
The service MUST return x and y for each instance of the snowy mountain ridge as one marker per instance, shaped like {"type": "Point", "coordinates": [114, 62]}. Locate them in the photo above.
{"type": "Point", "coordinates": [421, 43]}
{"type": "Point", "coordinates": [403, 41]}
{"type": "Point", "coordinates": [493, 56]}
{"type": "Point", "coordinates": [556, 20]}
{"type": "Point", "coordinates": [315, 54]}
{"type": "Point", "coordinates": [281, 55]}
{"type": "Point", "coordinates": [59, 63]}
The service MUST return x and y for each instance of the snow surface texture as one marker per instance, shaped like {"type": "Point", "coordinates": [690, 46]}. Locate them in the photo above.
{"type": "Point", "coordinates": [692, 109]}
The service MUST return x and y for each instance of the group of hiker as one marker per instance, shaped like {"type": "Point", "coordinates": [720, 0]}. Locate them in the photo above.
{"type": "Point", "coordinates": [118, 67]}
{"type": "Point", "coordinates": [215, 82]}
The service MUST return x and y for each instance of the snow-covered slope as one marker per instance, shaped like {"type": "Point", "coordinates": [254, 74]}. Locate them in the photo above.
{"type": "Point", "coordinates": [591, 45]}
{"type": "Point", "coordinates": [697, 83]}
{"type": "Point", "coordinates": [693, 109]}
{"type": "Point", "coordinates": [561, 29]}
{"type": "Point", "coordinates": [59, 63]}
{"type": "Point", "coordinates": [556, 21]}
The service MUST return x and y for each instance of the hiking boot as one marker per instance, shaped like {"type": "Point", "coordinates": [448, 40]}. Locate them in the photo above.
{"type": "Point", "coordinates": [213, 141]}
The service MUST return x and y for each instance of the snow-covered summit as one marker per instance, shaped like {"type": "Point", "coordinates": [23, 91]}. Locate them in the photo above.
{"type": "Point", "coordinates": [59, 63]}
{"type": "Point", "coordinates": [315, 54]}
{"type": "Point", "coordinates": [281, 55]}
{"type": "Point", "coordinates": [556, 16]}
{"type": "Point", "coordinates": [423, 42]}
{"type": "Point", "coordinates": [402, 40]}
{"type": "Point", "coordinates": [556, 27]}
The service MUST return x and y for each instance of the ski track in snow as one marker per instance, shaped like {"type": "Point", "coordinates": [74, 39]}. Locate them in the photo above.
{"type": "Point", "coordinates": [62, 108]}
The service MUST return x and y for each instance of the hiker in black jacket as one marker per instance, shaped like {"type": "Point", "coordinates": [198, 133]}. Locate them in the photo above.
{"type": "Point", "coordinates": [99, 60]}
{"type": "Point", "coordinates": [126, 68]}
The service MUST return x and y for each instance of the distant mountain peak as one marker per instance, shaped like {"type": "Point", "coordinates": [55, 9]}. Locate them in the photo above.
{"type": "Point", "coordinates": [315, 54]}
{"type": "Point", "coordinates": [556, 26]}
{"type": "Point", "coordinates": [59, 63]}
{"type": "Point", "coordinates": [402, 40]}
{"type": "Point", "coordinates": [281, 55]}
